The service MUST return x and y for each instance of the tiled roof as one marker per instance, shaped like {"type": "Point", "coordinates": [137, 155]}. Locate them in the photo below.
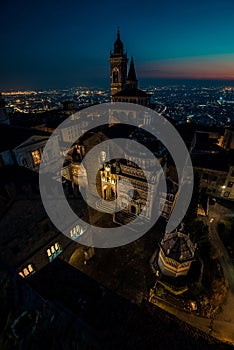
{"type": "Point", "coordinates": [178, 246]}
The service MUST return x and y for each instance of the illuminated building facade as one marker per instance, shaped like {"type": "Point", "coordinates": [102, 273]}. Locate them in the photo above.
{"type": "Point", "coordinates": [108, 182]}
{"type": "Point", "coordinates": [29, 153]}
{"type": "Point", "coordinates": [136, 194]}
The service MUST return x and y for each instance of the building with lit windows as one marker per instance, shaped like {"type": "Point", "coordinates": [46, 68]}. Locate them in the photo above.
{"type": "Point", "coordinates": [29, 153]}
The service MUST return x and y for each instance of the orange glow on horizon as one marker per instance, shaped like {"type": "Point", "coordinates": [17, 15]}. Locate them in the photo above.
{"type": "Point", "coordinates": [205, 67]}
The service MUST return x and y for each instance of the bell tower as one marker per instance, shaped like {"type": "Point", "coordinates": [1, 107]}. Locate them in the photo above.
{"type": "Point", "coordinates": [118, 66]}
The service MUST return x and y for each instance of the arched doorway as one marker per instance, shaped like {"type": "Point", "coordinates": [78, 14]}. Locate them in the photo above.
{"type": "Point", "coordinates": [133, 209]}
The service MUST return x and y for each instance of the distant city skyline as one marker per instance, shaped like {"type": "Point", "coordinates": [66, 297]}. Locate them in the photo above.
{"type": "Point", "coordinates": [57, 44]}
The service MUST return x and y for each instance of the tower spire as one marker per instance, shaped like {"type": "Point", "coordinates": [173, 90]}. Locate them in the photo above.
{"type": "Point", "coordinates": [131, 79]}
{"type": "Point", "coordinates": [118, 45]}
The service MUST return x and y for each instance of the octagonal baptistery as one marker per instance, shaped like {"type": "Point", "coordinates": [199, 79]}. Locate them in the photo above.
{"type": "Point", "coordinates": [177, 251]}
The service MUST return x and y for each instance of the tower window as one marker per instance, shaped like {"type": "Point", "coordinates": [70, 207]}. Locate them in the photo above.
{"type": "Point", "coordinates": [115, 76]}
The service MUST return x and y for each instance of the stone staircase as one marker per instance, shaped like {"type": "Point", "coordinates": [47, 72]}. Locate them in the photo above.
{"type": "Point", "coordinates": [105, 206]}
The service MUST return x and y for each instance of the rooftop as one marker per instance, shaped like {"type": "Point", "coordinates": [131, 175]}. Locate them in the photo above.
{"type": "Point", "coordinates": [178, 246]}
{"type": "Point", "coordinates": [131, 92]}
{"type": "Point", "coordinates": [212, 161]}
{"type": "Point", "coordinates": [13, 136]}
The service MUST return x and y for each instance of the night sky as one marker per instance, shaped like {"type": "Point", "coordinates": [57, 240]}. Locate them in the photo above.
{"type": "Point", "coordinates": [67, 43]}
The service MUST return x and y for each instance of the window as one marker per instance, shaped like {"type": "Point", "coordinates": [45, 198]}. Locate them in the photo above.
{"type": "Point", "coordinates": [25, 272]}
{"type": "Point", "coordinates": [48, 252]}
{"type": "Point", "coordinates": [103, 156]}
{"type": "Point", "coordinates": [54, 251]}
{"type": "Point", "coordinates": [230, 184]}
{"type": "Point", "coordinates": [115, 76]}
{"type": "Point", "coordinates": [226, 194]}
{"type": "Point", "coordinates": [76, 232]}
{"type": "Point", "coordinates": [36, 157]}
{"type": "Point", "coordinates": [28, 270]}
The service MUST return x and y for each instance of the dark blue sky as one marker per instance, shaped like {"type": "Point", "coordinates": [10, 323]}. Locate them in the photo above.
{"type": "Point", "coordinates": [67, 43]}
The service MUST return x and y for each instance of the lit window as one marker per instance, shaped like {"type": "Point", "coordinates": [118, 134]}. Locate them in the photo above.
{"type": "Point", "coordinates": [76, 232]}
{"type": "Point", "coordinates": [21, 274]}
{"type": "Point", "coordinates": [30, 268]}
{"type": "Point", "coordinates": [36, 157]}
{"type": "Point", "coordinates": [25, 271]}
{"type": "Point", "coordinates": [103, 156]}
{"type": "Point", "coordinates": [54, 251]}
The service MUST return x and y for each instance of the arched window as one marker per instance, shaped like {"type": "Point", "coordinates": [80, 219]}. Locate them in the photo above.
{"type": "Point", "coordinates": [103, 156]}
{"type": "Point", "coordinates": [115, 76]}
{"type": "Point", "coordinates": [54, 251]}
{"type": "Point", "coordinates": [48, 252]}
{"type": "Point", "coordinates": [27, 271]}
{"type": "Point", "coordinates": [30, 268]}
{"type": "Point", "coordinates": [76, 231]}
{"type": "Point", "coordinates": [36, 155]}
